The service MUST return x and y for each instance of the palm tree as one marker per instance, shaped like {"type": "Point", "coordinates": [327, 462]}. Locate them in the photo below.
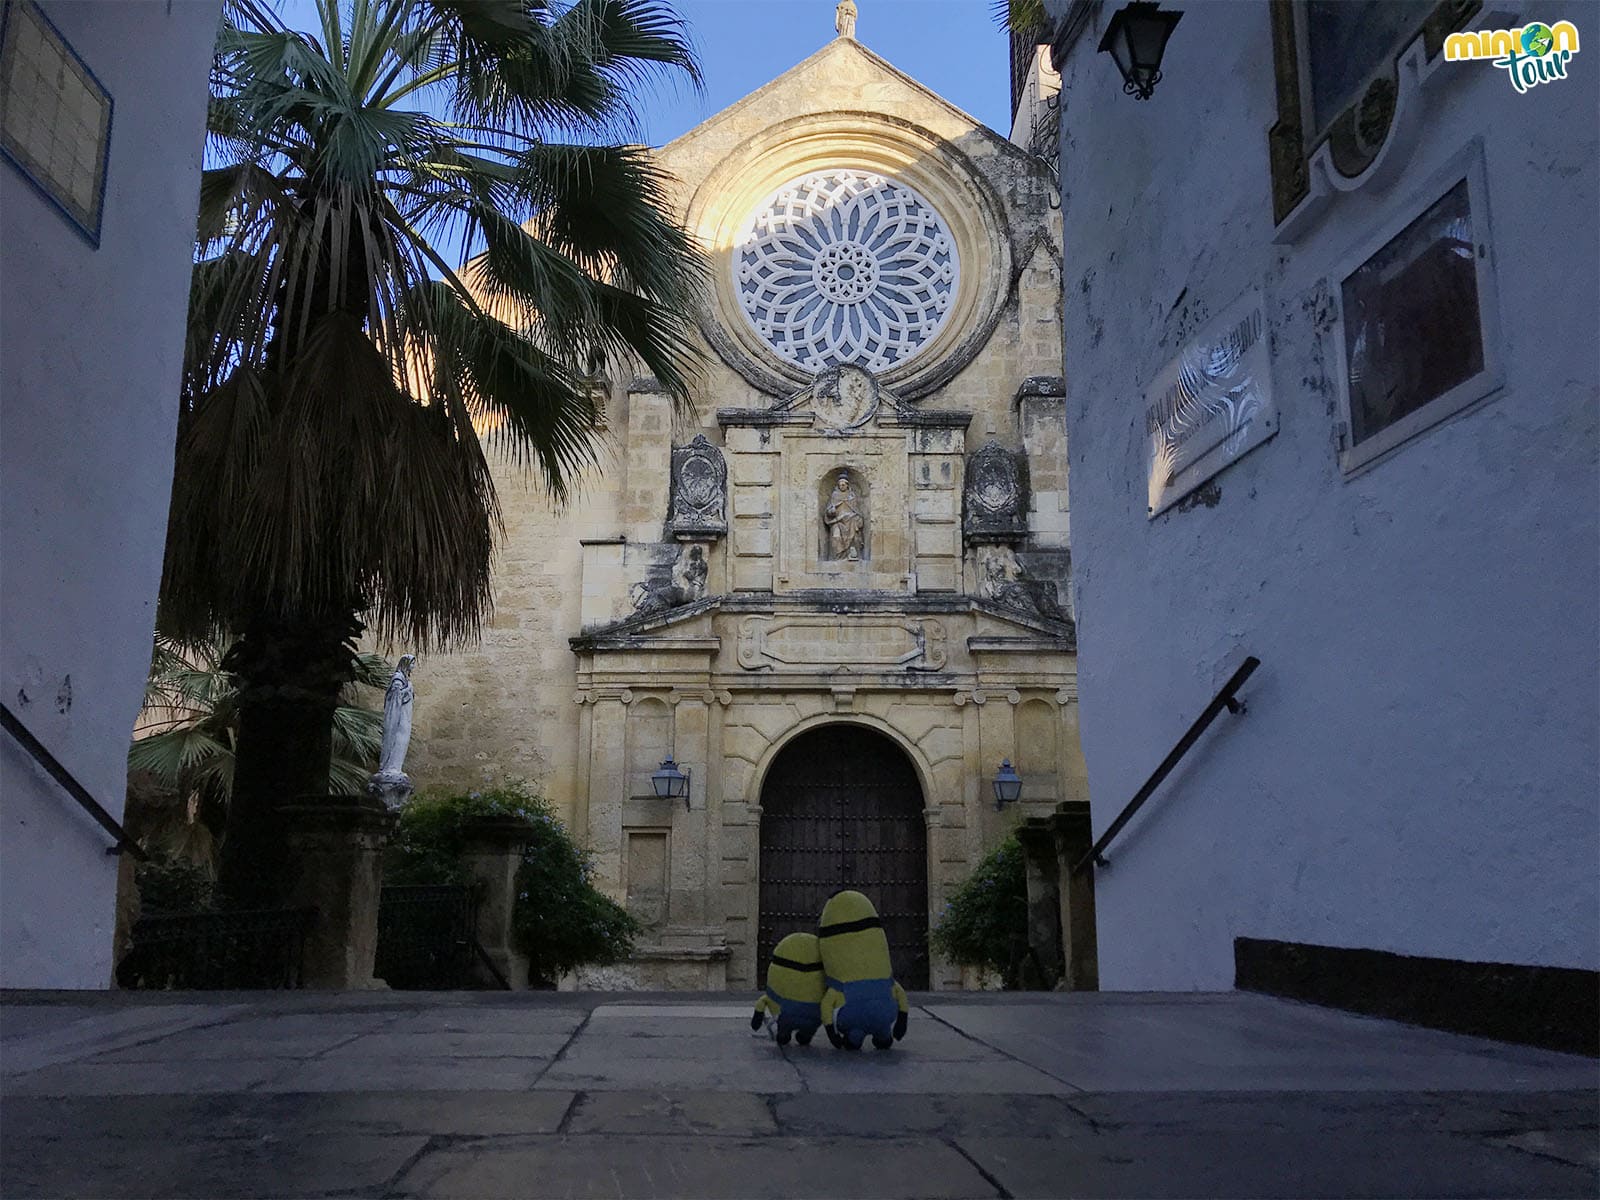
{"type": "Point", "coordinates": [180, 763]}
{"type": "Point", "coordinates": [330, 474]}
{"type": "Point", "coordinates": [1019, 16]}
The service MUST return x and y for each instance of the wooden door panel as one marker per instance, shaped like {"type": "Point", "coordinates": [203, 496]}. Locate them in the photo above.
{"type": "Point", "coordinates": [842, 808]}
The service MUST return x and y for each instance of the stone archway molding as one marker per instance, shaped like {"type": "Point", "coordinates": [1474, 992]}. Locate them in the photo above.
{"type": "Point", "coordinates": [913, 754]}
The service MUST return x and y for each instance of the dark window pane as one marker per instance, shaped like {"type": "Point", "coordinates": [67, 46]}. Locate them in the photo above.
{"type": "Point", "coordinates": [1346, 42]}
{"type": "Point", "coordinates": [1411, 325]}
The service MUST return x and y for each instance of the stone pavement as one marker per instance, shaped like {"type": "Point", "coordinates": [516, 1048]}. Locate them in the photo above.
{"type": "Point", "coordinates": [544, 1094]}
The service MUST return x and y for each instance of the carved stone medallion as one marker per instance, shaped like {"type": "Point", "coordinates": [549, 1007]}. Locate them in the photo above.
{"type": "Point", "coordinates": [844, 397]}
{"type": "Point", "coordinates": [996, 498]}
{"type": "Point", "coordinates": [699, 488]}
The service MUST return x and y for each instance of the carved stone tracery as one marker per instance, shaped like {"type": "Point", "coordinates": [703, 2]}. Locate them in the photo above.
{"type": "Point", "coordinates": [846, 266]}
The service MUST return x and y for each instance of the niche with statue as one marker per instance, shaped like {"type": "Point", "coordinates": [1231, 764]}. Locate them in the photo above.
{"type": "Point", "coordinates": [842, 516]}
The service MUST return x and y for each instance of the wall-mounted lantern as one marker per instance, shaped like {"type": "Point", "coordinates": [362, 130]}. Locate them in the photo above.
{"type": "Point", "coordinates": [1007, 785]}
{"type": "Point", "coordinates": [670, 783]}
{"type": "Point", "coordinates": [1136, 39]}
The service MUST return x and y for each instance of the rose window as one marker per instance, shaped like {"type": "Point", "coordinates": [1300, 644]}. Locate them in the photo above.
{"type": "Point", "coordinates": [846, 267]}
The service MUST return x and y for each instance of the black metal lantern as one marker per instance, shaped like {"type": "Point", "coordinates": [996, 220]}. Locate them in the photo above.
{"type": "Point", "coordinates": [1136, 39]}
{"type": "Point", "coordinates": [671, 783]}
{"type": "Point", "coordinates": [1007, 785]}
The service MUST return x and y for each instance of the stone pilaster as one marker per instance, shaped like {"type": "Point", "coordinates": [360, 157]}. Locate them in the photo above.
{"type": "Point", "coordinates": [492, 854]}
{"type": "Point", "coordinates": [1044, 898]}
{"type": "Point", "coordinates": [1074, 835]}
{"type": "Point", "coordinates": [336, 844]}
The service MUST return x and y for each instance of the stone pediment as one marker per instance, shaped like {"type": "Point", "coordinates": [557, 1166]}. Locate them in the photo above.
{"type": "Point", "coordinates": [885, 631]}
{"type": "Point", "coordinates": [840, 401]}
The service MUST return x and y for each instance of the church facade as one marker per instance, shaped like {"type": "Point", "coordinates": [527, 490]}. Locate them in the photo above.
{"type": "Point", "coordinates": [836, 595]}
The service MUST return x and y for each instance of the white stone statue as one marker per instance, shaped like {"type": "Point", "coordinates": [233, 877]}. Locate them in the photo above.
{"type": "Point", "coordinates": [844, 18]}
{"type": "Point", "coordinates": [846, 525]}
{"type": "Point", "coordinates": [390, 783]}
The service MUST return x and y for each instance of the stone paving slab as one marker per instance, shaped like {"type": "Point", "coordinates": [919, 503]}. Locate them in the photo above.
{"type": "Point", "coordinates": [1252, 1048]}
{"type": "Point", "coordinates": [32, 1041]}
{"type": "Point", "coordinates": [394, 1094]}
{"type": "Point", "coordinates": [621, 1073]}
{"type": "Point", "coordinates": [416, 1073]}
{"type": "Point", "coordinates": [633, 1113]}
{"type": "Point", "coordinates": [521, 1020]}
{"type": "Point", "coordinates": [671, 1167]}
{"type": "Point", "coordinates": [144, 1078]}
{"type": "Point", "coordinates": [891, 1071]}
{"type": "Point", "coordinates": [449, 1044]}
{"type": "Point", "coordinates": [110, 1168]}
{"type": "Point", "coordinates": [972, 1115]}
{"type": "Point", "coordinates": [1250, 1163]}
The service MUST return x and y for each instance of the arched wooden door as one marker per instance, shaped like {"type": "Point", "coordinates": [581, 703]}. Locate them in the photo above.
{"type": "Point", "coordinates": [841, 808]}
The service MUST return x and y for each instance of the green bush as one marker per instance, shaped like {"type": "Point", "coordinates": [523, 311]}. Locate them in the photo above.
{"type": "Point", "coordinates": [985, 924]}
{"type": "Point", "coordinates": [172, 885]}
{"type": "Point", "coordinates": [560, 921]}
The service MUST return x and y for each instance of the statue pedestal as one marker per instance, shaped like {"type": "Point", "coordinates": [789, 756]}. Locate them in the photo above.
{"type": "Point", "coordinates": [492, 854]}
{"type": "Point", "coordinates": [392, 788]}
{"type": "Point", "coordinates": [336, 845]}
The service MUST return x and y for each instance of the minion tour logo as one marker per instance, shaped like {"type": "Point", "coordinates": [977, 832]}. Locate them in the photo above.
{"type": "Point", "coordinates": [1531, 54]}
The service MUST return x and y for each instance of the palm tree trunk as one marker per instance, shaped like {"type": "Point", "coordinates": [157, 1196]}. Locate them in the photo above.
{"type": "Point", "coordinates": [289, 675]}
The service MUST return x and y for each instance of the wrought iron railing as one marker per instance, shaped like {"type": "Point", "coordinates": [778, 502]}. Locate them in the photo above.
{"type": "Point", "coordinates": [1225, 699]}
{"type": "Point", "coordinates": [246, 948]}
{"type": "Point", "coordinates": [69, 784]}
{"type": "Point", "coordinates": [428, 937]}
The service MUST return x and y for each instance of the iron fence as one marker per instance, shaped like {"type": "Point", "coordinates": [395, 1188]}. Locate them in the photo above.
{"type": "Point", "coordinates": [246, 948]}
{"type": "Point", "coordinates": [427, 937]}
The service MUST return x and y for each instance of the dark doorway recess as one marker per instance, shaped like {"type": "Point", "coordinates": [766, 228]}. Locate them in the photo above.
{"type": "Point", "coordinates": [841, 808]}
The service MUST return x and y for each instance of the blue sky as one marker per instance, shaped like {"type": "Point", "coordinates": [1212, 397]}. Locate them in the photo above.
{"type": "Point", "coordinates": [951, 46]}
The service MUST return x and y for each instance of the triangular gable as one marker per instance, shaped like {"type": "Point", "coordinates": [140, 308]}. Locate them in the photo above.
{"type": "Point", "coordinates": [807, 99]}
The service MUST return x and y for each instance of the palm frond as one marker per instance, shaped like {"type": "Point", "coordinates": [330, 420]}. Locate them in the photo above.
{"type": "Point", "coordinates": [336, 360]}
{"type": "Point", "coordinates": [167, 756]}
{"type": "Point", "coordinates": [1027, 17]}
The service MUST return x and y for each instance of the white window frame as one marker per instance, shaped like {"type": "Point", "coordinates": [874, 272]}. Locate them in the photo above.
{"type": "Point", "coordinates": [1467, 164]}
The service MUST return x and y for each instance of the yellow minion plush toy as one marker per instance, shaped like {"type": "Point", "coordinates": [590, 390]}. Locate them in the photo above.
{"type": "Point", "coordinates": [862, 997]}
{"type": "Point", "coordinates": [794, 989]}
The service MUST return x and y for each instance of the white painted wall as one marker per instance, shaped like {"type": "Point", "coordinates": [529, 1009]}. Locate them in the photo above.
{"type": "Point", "coordinates": [1418, 769]}
{"type": "Point", "coordinates": [90, 352]}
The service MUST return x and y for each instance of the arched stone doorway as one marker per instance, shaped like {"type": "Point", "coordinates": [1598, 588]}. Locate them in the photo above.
{"type": "Point", "coordinates": [841, 807]}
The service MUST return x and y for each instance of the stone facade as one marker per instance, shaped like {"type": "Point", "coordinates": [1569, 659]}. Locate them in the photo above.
{"type": "Point", "coordinates": [802, 548]}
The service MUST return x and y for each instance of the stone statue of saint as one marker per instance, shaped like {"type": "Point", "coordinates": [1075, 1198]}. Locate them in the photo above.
{"type": "Point", "coordinates": [844, 18]}
{"type": "Point", "coordinates": [689, 576]}
{"type": "Point", "coordinates": [390, 783]}
{"type": "Point", "coordinates": [844, 519]}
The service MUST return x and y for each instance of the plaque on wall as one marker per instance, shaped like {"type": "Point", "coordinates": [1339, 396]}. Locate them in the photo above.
{"type": "Point", "coordinates": [1210, 405]}
{"type": "Point", "coordinates": [699, 488]}
{"type": "Point", "coordinates": [1417, 328]}
{"type": "Point", "coordinates": [55, 116]}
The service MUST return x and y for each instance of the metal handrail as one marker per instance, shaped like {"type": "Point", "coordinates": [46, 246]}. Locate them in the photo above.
{"type": "Point", "coordinates": [24, 738]}
{"type": "Point", "coordinates": [1222, 700]}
